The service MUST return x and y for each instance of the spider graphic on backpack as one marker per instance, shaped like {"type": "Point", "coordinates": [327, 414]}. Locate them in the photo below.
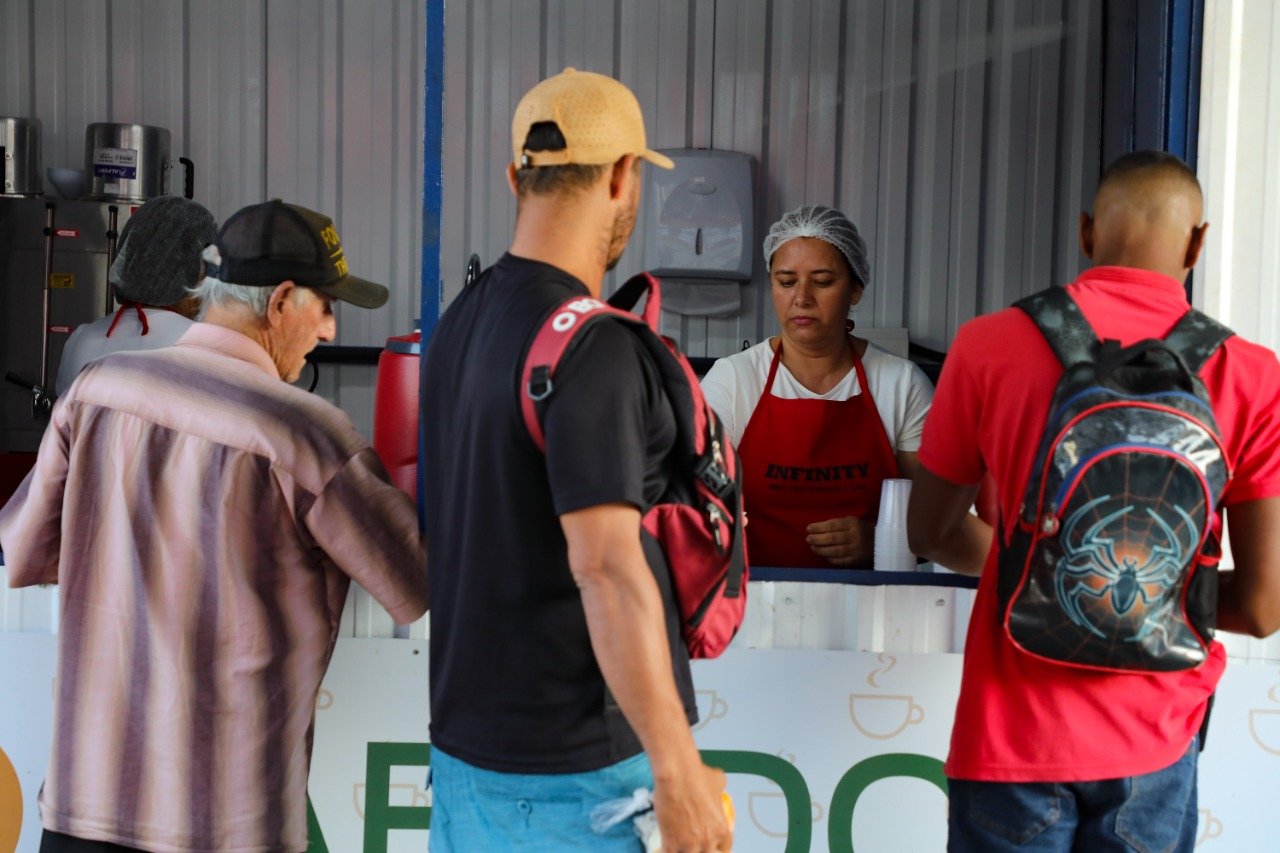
{"type": "Point", "coordinates": [1125, 579]}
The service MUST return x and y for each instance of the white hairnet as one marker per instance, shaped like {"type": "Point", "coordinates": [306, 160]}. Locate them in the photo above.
{"type": "Point", "coordinates": [824, 223]}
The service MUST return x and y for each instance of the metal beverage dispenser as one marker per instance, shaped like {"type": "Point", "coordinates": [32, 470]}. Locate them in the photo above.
{"type": "Point", "coordinates": [68, 245]}
{"type": "Point", "coordinates": [130, 162]}
{"type": "Point", "coordinates": [54, 258]}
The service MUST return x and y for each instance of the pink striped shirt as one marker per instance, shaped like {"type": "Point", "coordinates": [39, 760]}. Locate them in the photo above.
{"type": "Point", "coordinates": [203, 520]}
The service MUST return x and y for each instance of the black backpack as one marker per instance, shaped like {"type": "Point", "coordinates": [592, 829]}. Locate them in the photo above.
{"type": "Point", "coordinates": [1112, 564]}
{"type": "Point", "coordinates": [699, 524]}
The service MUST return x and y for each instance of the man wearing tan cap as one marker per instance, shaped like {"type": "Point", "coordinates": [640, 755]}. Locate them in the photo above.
{"type": "Point", "coordinates": [559, 679]}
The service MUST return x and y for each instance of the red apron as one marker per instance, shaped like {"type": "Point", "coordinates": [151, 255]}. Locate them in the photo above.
{"type": "Point", "coordinates": [810, 460]}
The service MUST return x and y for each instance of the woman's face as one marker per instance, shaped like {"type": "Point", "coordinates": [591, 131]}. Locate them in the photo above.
{"type": "Point", "coordinates": [812, 291]}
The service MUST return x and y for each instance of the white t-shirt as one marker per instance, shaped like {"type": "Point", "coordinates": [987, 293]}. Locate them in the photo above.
{"type": "Point", "coordinates": [901, 391]}
{"type": "Point", "coordinates": [90, 342]}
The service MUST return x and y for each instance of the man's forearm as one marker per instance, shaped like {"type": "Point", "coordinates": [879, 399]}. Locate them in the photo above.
{"type": "Point", "coordinates": [1231, 615]}
{"type": "Point", "coordinates": [940, 527]}
{"type": "Point", "coordinates": [964, 548]}
{"type": "Point", "coordinates": [628, 635]}
{"type": "Point", "coordinates": [1249, 597]}
{"type": "Point", "coordinates": [31, 521]}
{"type": "Point", "coordinates": [961, 547]}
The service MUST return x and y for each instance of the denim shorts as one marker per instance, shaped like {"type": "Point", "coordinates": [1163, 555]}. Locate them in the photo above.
{"type": "Point", "coordinates": [480, 810]}
{"type": "Point", "coordinates": [1148, 813]}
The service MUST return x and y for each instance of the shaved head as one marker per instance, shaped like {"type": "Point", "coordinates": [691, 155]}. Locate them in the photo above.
{"type": "Point", "coordinates": [1147, 214]}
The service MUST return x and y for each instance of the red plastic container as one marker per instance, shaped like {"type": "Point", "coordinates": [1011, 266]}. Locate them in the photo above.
{"type": "Point", "coordinates": [395, 410]}
{"type": "Point", "coordinates": [13, 468]}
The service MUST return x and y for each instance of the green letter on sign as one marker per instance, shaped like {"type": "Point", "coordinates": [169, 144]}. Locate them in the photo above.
{"type": "Point", "coordinates": [315, 838]}
{"type": "Point", "coordinates": [380, 817]}
{"type": "Point", "coordinates": [860, 777]}
{"type": "Point", "coordinates": [783, 774]}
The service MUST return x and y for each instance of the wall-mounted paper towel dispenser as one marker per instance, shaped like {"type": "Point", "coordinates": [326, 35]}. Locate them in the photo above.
{"type": "Point", "coordinates": [700, 216]}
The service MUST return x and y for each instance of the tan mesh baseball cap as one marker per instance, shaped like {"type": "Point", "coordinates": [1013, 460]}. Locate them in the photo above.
{"type": "Point", "coordinates": [598, 116]}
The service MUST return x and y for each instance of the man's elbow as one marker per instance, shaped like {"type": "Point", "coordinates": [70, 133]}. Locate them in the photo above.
{"type": "Point", "coordinates": [589, 570]}
{"type": "Point", "coordinates": [415, 600]}
{"type": "Point", "coordinates": [922, 539]}
{"type": "Point", "coordinates": [1258, 619]}
{"type": "Point", "coordinates": [409, 613]}
{"type": "Point", "coordinates": [411, 608]}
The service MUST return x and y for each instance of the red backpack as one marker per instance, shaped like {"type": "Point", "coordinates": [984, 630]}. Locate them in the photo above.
{"type": "Point", "coordinates": [699, 522]}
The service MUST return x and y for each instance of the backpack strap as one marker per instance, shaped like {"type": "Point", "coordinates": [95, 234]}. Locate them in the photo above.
{"type": "Point", "coordinates": [559, 331]}
{"type": "Point", "coordinates": [628, 295]}
{"type": "Point", "coordinates": [1062, 323]}
{"type": "Point", "coordinates": [557, 335]}
{"type": "Point", "coordinates": [1196, 337]}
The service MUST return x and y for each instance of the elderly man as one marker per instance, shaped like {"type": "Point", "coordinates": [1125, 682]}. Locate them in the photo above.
{"type": "Point", "coordinates": [1053, 750]}
{"type": "Point", "coordinates": [204, 520]}
{"type": "Point", "coordinates": [558, 675]}
{"type": "Point", "coordinates": [153, 273]}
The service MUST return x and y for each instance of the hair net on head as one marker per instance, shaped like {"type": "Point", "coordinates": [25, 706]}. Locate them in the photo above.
{"type": "Point", "coordinates": [159, 255]}
{"type": "Point", "coordinates": [824, 223]}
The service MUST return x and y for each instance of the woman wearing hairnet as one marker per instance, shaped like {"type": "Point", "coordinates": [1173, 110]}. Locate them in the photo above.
{"type": "Point", "coordinates": [820, 417]}
{"type": "Point", "coordinates": [154, 270]}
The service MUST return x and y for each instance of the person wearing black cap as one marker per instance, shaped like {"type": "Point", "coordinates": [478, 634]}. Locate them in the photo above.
{"type": "Point", "coordinates": [273, 276]}
{"type": "Point", "coordinates": [153, 272]}
{"type": "Point", "coordinates": [205, 520]}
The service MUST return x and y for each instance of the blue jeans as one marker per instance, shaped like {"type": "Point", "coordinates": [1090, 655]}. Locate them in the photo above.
{"type": "Point", "coordinates": [475, 810]}
{"type": "Point", "coordinates": [1147, 813]}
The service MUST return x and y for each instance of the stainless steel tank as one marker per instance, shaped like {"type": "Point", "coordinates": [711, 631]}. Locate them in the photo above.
{"type": "Point", "coordinates": [126, 162]}
{"type": "Point", "coordinates": [20, 171]}
{"type": "Point", "coordinates": [50, 283]}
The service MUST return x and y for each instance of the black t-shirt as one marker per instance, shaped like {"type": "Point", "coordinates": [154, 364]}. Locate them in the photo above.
{"type": "Point", "coordinates": [514, 682]}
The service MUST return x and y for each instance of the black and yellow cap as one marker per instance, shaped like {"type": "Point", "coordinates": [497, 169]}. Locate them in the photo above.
{"type": "Point", "coordinates": [264, 244]}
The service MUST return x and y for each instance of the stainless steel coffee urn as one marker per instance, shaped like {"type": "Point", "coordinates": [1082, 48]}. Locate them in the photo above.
{"type": "Point", "coordinates": [130, 162]}
{"type": "Point", "coordinates": [20, 171]}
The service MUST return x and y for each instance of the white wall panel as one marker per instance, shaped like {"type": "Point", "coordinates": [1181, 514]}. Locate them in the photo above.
{"type": "Point", "coordinates": [960, 135]}
{"type": "Point", "coordinates": [318, 102]}
{"type": "Point", "coordinates": [31, 609]}
{"type": "Point", "coordinates": [1239, 169]}
{"type": "Point", "coordinates": [1239, 166]}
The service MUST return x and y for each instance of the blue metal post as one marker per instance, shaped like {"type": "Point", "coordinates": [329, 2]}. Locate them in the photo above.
{"type": "Point", "coordinates": [432, 166]}
{"type": "Point", "coordinates": [432, 197]}
{"type": "Point", "coordinates": [1186, 31]}
{"type": "Point", "coordinates": [1151, 78]}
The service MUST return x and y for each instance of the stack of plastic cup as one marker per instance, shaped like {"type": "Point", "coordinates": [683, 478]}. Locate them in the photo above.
{"type": "Point", "coordinates": [891, 551]}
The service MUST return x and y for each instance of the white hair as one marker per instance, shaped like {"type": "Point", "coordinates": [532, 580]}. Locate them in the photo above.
{"type": "Point", "coordinates": [211, 291]}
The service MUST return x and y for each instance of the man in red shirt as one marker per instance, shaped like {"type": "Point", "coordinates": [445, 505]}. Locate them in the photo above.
{"type": "Point", "coordinates": [1047, 756]}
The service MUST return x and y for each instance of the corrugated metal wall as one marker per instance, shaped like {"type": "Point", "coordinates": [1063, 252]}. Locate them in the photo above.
{"type": "Point", "coordinates": [318, 102]}
{"type": "Point", "coordinates": [960, 135]}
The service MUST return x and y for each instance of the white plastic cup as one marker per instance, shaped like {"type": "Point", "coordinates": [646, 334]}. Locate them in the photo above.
{"type": "Point", "coordinates": [892, 553]}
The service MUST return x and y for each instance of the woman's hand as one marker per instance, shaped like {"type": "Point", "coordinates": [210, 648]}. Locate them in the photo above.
{"type": "Point", "coordinates": [845, 541]}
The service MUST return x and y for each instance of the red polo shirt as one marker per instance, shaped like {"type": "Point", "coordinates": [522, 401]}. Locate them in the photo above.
{"type": "Point", "coordinates": [1019, 718]}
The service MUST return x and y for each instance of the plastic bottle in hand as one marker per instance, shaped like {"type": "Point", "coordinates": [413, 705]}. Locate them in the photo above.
{"type": "Point", "coordinates": [639, 807]}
